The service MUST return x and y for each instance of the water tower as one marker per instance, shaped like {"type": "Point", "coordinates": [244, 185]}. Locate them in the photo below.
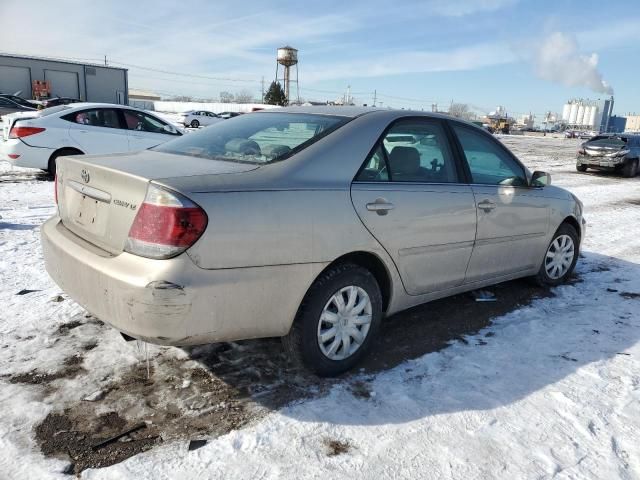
{"type": "Point", "coordinates": [288, 57]}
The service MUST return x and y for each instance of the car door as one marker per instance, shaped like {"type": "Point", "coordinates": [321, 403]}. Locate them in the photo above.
{"type": "Point", "coordinates": [513, 218]}
{"type": "Point", "coordinates": [98, 130]}
{"type": "Point", "coordinates": [145, 131]}
{"type": "Point", "coordinates": [410, 196]}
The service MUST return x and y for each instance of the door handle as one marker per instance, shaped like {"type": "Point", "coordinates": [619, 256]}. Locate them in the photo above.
{"type": "Point", "coordinates": [486, 205]}
{"type": "Point", "coordinates": [381, 206]}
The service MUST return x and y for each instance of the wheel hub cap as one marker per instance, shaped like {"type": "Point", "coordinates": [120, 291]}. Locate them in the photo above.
{"type": "Point", "coordinates": [559, 256]}
{"type": "Point", "coordinates": [344, 323]}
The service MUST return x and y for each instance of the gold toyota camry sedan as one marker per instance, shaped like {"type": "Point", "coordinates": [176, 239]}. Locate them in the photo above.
{"type": "Point", "coordinates": [309, 224]}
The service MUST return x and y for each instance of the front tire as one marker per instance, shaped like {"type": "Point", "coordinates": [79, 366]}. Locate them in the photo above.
{"type": "Point", "coordinates": [581, 168]}
{"type": "Point", "coordinates": [195, 123]}
{"type": "Point", "coordinates": [337, 322]}
{"type": "Point", "coordinates": [560, 257]}
{"type": "Point", "coordinates": [630, 168]}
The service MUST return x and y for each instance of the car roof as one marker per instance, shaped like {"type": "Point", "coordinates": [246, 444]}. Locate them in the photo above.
{"type": "Point", "coordinates": [353, 112]}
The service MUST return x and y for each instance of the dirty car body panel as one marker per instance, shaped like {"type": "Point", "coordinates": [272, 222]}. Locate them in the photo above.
{"type": "Point", "coordinates": [273, 226]}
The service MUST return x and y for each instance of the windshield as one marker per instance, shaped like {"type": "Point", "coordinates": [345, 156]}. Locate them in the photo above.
{"type": "Point", "coordinates": [20, 101]}
{"type": "Point", "coordinates": [255, 138]}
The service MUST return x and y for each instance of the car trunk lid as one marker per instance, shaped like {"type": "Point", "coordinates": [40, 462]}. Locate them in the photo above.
{"type": "Point", "coordinates": [602, 148]}
{"type": "Point", "coordinates": [99, 196]}
{"type": "Point", "coordinates": [9, 120]}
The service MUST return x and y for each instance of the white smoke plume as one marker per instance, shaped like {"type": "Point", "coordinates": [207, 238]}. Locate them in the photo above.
{"type": "Point", "coordinates": [558, 59]}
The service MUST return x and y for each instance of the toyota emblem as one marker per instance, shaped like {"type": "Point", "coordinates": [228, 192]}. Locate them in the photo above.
{"type": "Point", "coordinates": [85, 176]}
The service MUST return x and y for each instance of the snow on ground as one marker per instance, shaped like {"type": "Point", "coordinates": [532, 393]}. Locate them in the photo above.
{"type": "Point", "coordinates": [551, 389]}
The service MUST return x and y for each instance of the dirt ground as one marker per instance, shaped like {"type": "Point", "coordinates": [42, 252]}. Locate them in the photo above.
{"type": "Point", "coordinates": [225, 386]}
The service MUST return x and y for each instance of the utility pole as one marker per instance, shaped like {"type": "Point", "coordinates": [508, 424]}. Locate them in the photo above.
{"type": "Point", "coordinates": [375, 92]}
{"type": "Point", "coordinates": [105, 61]}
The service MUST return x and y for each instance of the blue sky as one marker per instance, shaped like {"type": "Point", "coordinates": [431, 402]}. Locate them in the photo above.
{"type": "Point", "coordinates": [525, 55]}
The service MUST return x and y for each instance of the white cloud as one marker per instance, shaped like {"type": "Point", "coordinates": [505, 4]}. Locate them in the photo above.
{"type": "Point", "coordinates": [463, 58]}
{"type": "Point", "coordinates": [459, 8]}
{"type": "Point", "coordinates": [558, 59]}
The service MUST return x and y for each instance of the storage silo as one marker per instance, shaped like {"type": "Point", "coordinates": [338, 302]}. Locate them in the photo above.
{"type": "Point", "coordinates": [565, 112]}
{"type": "Point", "coordinates": [586, 115]}
{"type": "Point", "coordinates": [592, 117]}
{"type": "Point", "coordinates": [580, 114]}
{"type": "Point", "coordinates": [573, 113]}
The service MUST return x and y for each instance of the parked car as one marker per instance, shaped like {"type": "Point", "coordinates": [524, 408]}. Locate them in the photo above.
{"type": "Point", "coordinates": [54, 102]}
{"type": "Point", "coordinates": [619, 153]}
{"type": "Point", "coordinates": [36, 139]}
{"type": "Point", "coordinates": [228, 115]}
{"type": "Point", "coordinates": [12, 104]}
{"type": "Point", "coordinates": [199, 118]}
{"type": "Point", "coordinates": [586, 134]}
{"type": "Point", "coordinates": [305, 223]}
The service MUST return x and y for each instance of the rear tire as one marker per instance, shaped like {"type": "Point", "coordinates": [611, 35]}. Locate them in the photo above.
{"type": "Point", "coordinates": [630, 168]}
{"type": "Point", "coordinates": [51, 168]}
{"type": "Point", "coordinates": [581, 168]}
{"type": "Point", "coordinates": [195, 123]}
{"type": "Point", "coordinates": [318, 318]}
{"type": "Point", "coordinates": [560, 257]}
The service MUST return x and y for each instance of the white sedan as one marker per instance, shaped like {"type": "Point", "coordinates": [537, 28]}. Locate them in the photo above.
{"type": "Point", "coordinates": [199, 118]}
{"type": "Point", "coordinates": [36, 139]}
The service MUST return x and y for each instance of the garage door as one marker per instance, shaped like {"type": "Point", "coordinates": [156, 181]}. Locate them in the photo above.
{"type": "Point", "coordinates": [63, 84]}
{"type": "Point", "coordinates": [15, 79]}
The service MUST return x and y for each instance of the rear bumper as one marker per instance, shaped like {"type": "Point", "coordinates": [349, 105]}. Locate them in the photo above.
{"type": "Point", "coordinates": [601, 163]}
{"type": "Point", "coordinates": [174, 302]}
{"type": "Point", "coordinates": [29, 157]}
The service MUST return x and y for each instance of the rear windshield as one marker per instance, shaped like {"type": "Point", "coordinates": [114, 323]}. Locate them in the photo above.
{"type": "Point", "coordinates": [52, 110]}
{"type": "Point", "coordinates": [255, 138]}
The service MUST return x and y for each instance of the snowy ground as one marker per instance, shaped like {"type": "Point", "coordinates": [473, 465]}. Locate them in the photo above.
{"type": "Point", "coordinates": [547, 389]}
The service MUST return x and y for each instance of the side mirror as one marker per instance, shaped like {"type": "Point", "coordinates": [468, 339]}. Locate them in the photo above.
{"type": "Point", "coordinates": [540, 179]}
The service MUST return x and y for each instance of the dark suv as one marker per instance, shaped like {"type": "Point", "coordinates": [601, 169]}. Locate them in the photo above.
{"type": "Point", "coordinates": [610, 152]}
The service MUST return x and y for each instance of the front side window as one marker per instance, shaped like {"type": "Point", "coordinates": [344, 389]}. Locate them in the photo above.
{"type": "Point", "coordinates": [412, 151]}
{"type": "Point", "coordinates": [143, 123]}
{"type": "Point", "coordinates": [102, 117]}
{"type": "Point", "coordinates": [488, 162]}
{"type": "Point", "coordinates": [255, 138]}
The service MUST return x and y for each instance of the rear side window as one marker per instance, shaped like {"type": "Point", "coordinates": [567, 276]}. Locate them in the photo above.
{"type": "Point", "coordinates": [488, 161]}
{"type": "Point", "coordinates": [255, 138]}
{"type": "Point", "coordinates": [412, 151]}
{"type": "Point", "coordinates": [142, 122]}
{"type": "Point", "coordinates": [100, 117]}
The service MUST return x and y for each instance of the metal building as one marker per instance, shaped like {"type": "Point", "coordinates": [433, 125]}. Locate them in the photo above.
{"type": "Point", "coordinates": [86, 82]}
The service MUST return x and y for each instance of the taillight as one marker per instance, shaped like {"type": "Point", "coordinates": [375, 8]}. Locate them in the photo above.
{"type": "Point", "coordinates": [55, 187]}
{"type": "Point", "coordinates": [166, 224]}
{"type": "Point", "coordinates": [20, 132]}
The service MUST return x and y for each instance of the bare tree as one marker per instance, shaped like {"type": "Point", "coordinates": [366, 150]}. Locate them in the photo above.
{"type": "Point", "coordinates": [245, 96]}
{"type": "Point", "coordinates": [459, 110]}
{"type": "Point", "coordinates": [226, 97]}
{"type": "Point", "coordinates": [181, 98]}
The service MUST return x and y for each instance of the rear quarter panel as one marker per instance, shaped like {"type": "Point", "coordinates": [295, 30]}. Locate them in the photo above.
{"type": "Point", "coordinates": [260, 228]}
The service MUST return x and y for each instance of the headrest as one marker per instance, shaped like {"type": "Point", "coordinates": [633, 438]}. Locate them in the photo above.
{"type": "Point", "coordinates": [243, 146]}
{"type": "Point", "coordinates": [404, 160]}
{"type": "Point", "coordinates": [274, 151]}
